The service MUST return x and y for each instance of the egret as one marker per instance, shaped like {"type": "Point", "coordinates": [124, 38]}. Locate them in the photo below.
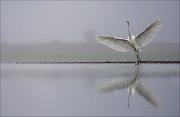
{"type": "Point", "coordinates": [133, 85]}
{"type": "Point", "coordinates": [131, 43]}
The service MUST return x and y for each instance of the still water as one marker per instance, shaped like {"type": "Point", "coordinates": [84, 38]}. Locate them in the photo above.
{"type": "Point", "coordinates": [71, 90]}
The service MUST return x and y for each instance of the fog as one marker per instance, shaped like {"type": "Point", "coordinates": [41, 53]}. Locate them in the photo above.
{"type": "Point", "coordinates": [58, 31]}
{"type": "Point", "coordinates": [66, 30]}
{"type": "Point", "coordinates": [58, 52]}
{"type": "Point", "coordinates": [69, 21]}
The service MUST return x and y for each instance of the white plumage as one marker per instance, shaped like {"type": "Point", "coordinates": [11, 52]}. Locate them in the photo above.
{"type": "Point", "coordinates": [115, 85]}
{"type": "Point", "coordinates": [146, 36]}
{"type": "Point", "coordinates": [147, 94]}
{"type": "Point", "coordinates": [132, 43]}
{"type": "Point", "coordinates": [133, 85]}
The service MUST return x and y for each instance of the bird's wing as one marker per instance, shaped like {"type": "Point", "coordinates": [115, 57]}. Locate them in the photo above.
{"type": "Point", "coordinates": [115, 85]}
{"type": "Point", "coordinates": [146, 36]}
{"type": "Point", "coordinates": [117, 44]}
{"type": "Point", "coordinates": [147, 94]}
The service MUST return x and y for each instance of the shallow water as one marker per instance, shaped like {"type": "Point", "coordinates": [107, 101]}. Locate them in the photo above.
{"type": "Point", "coordinates": [71, 90]}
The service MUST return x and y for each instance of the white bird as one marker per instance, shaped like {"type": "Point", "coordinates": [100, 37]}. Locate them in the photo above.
{"type": "Point", "coordinates": [132, 42]}
{"type": "Point", "coordinates": [133, 85]}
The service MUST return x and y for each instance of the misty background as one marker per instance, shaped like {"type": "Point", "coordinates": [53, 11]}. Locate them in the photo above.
{"type": "Point", "coordinates": [66, 30]}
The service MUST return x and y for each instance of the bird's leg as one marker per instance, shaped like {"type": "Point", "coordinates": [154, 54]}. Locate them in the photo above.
{"type": "Point", "coordinates": [138, 58]}
{"type": "Point", "coordinates": [137, 72]}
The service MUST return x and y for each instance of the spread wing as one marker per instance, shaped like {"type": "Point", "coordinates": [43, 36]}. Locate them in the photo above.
{"type": "Point", "coordinates": [146, 36]}
{"type": "Point", "coordinates": [115, 85]}
{"type": "Point", "coordinates": [117, 44]}
{"type": "Point", "coordinates": [147, 94]}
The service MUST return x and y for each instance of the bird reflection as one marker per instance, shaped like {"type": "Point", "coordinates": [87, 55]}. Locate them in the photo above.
{"type": "Point", "coordinates": [133, 85]}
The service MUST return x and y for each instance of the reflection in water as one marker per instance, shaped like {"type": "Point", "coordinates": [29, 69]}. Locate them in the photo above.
{"type": "Point", "coordinates": [70, 89]}
{"type": "Point", "coordinates": [133, 85]}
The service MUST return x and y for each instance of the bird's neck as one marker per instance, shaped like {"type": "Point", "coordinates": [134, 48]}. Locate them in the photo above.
{"type": "Point", "coordinates": [129, 96]}
{"type": "Point", "coordinates": [129, 32]}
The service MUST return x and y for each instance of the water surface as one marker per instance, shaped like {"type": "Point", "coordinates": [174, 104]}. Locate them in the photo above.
{"type": "Point", "coordinates": [71, 90]}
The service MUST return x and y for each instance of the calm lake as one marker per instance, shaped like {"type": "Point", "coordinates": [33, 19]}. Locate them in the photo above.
{"type": "Point", "coordinates": [71, 90]}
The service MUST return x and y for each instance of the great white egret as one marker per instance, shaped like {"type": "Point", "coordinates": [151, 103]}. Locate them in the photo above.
{"type": "Point", "coordinates": [133, 85]}
{"type": "Point", "coordinates": [132, 42]}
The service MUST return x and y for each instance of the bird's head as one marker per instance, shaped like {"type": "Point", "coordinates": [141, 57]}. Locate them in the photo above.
{"type": "Point", "coordinates": [127, 22]}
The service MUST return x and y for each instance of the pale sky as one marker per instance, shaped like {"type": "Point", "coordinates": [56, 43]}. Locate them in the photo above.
{"type": "Point", "coordinates": [69, 21]}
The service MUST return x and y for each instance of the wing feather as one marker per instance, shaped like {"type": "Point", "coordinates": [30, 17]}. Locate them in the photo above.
{"type": "Point", "coordinates": [115, 85]}
{"type": "Point", "coordinates": [117, 44]}
{"type": "Point", "coordinates": [147, 94]}
{"type": "Point", "coordinates": [147, 35]}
